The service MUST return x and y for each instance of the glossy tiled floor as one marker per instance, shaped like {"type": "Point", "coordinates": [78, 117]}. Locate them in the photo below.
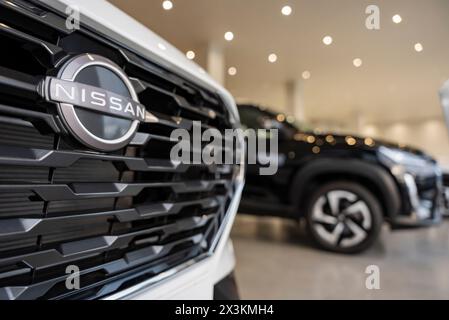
{"type": "Point", "coordinates": [275, 260]}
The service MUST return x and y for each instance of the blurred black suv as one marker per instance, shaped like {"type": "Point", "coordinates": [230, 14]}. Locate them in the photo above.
{"type": "Point", "coordinates": [344, 186]}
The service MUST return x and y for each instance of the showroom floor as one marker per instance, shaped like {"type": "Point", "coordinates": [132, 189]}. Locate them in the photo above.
{"type": "Point", "coordinates": [275, 260]}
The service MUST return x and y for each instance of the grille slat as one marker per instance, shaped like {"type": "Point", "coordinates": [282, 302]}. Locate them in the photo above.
{"type": "Point", "coordinates": [53, 52]}
{"type": "Point", "coordinates": [85, 248]}
{"type": "Point", "coordinates": [164, 98]}
{"type": "Point", "coordinates": [122, 217]}
{"type": "Point", "coordinates": [20, 133]}
{"type": "Point", "coordinates": [132, 259]}
{"type": "Point", "coordinates": [17, 83]}
{"type": "Point", "coordinates": [10, 228]}
{"type": "Point", "coordinates": [18, 204]}
{"type": "Point", "coordinates": [38, 117]}
{"type": "Point", "coordinates": [79, 191]}
{"type": "Point", "coordinates": [64, 159]}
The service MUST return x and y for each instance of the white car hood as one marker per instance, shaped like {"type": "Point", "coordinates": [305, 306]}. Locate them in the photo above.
{"type": "Point", "coordinates": [111, 21]}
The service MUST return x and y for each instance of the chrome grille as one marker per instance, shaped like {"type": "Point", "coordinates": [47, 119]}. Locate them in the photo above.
{"type": "Point", "coordinates": [121, 217]}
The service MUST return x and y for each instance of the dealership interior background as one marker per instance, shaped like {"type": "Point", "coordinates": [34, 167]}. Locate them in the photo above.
{"type": "Point", "coordinates": [317, 61]}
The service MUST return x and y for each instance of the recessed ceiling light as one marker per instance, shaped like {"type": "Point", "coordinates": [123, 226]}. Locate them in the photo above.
{"type": "Point", "coordinates": [419, 47]}
{"type": "Point", "coordinates": [397, 19]}
{"type": "Point", "coordinates": [306, 75]}
{"type": "Point", "coordinates": [229, 36]}
{"type": "Point", "coordinates": [273, 58]}
{"type": "Point", "coordinates": [357, 62]}
{"type": "Point", "coordinates": [286, 10]}
{"type": "Point", "coordinates": [167, 5]}
{"type": "Point", "coordinates": [327, 40]}
{"type": "Point", "coordinates": [232, 71]}
{"type": "Point", "coordinates": [190, 55]}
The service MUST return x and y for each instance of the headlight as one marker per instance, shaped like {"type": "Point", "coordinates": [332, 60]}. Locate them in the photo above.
{"type": "Point", "coordinates": [396, 156]}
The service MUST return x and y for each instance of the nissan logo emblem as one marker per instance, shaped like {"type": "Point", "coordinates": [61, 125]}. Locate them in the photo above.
{"type": "Point", "coordinates": [96, 101]}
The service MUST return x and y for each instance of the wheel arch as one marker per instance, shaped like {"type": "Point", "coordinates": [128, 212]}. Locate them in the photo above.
{"type": "Point", "coordinates": [373, 177]}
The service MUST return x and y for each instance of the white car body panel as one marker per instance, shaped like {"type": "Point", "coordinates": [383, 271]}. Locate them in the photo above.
{"type": "Point", "coordinates": [197, 280]}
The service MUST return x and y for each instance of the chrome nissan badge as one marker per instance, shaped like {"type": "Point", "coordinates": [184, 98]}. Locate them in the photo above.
{"type": "Point", "coordinates": [96, 101]}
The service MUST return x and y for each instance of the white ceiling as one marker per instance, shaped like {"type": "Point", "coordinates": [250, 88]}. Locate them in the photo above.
{"type": "Point", "coordinates": [394, 83]}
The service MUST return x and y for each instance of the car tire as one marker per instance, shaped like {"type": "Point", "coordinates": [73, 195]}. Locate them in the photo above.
{"type": "Point", "coordinates": [344, 217]}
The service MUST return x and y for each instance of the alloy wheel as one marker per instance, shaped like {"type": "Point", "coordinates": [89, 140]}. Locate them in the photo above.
{"type": "Point", "coordinates": [341, 219]}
